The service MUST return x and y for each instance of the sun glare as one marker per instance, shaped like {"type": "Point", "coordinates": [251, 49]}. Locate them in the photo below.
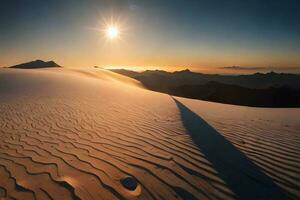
{"type": "Point", "coordinates": [112, 32]}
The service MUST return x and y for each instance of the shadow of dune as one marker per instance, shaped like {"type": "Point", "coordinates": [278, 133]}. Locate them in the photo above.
{"type": "Point", "coordinates": [241, 175]}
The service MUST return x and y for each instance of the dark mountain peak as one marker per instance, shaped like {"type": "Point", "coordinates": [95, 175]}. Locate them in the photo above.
{"type": "Point", "coordinates": [36, 64]}
{"type": "Point", "coordinates": [186, 70]}
{"type": "Point", "coordinates": [52, 62]}
{"type": "Point", "coordinates": [160, 72]}
{"type": "Point", "coordinates": [272, 73]}
{"type": "Point", "coordinates": [183, 71]}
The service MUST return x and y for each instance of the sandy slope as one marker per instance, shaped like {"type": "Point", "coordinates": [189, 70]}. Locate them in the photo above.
{"type": "Point", "coordinates": [269, 137]}
{"type": "Point", "coordinates": [74, 134]}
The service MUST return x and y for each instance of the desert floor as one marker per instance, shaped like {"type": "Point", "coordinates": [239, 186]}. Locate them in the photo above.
{"type": "Point", "coordinates": [79, 133]}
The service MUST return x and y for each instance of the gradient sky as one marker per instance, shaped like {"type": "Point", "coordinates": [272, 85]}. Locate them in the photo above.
{"type": "Point", "coordinates": [172, 33]}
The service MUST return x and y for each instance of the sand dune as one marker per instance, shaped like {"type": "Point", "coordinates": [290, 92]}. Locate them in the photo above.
{"type": "Point", "coordinates": [269, 137]}
{"type": "Point", "coordinates": [78, 134]}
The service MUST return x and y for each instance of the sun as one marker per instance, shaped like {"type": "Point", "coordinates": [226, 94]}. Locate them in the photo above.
{"type": "Point", "coordinates": [112, 32]}
{"type": "Point", "coordinates": [112, 29]}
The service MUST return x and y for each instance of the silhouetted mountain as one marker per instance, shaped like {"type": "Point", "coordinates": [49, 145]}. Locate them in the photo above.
{"type": "Point", "coordinates": [36, 64]}
{"type": "Point", "coordinates": [232, 94]}
{"type": "Point", "coordinates": [261, 90]}
{"type": "Point", "coordinates": [186, 77]}
{"type": "Point", "coordinates": [253, 68]}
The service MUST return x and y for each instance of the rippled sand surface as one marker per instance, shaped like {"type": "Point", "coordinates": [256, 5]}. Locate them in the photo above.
{"type": "Point", "coordinates": [78, 134]}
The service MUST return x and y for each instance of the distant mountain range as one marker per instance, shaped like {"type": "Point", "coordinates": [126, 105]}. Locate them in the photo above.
{"type": "Point", "coordinates": [36, 64]}
{"type": "Point", "coordinates": [238, 68]}
{"type": "Point", "coordinates": [259, 90]}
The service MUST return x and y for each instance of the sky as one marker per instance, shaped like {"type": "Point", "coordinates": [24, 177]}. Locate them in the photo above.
{"type": "Point", "coordinates": [153, 33]}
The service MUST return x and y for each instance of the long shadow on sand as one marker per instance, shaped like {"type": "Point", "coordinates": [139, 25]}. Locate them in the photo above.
{"type": "Point", "coordinates": [242, 176]}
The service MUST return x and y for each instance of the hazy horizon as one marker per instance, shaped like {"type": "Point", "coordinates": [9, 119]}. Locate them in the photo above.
{"type": "Point", "coordinates": [226, 70]}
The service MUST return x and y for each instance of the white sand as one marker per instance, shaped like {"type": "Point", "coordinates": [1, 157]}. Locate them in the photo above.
{"type": "Point", "coordinates": [74, 134]}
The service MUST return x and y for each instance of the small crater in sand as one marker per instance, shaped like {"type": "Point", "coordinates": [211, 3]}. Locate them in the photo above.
{"type": "Point", "coordinates": [129, 183]}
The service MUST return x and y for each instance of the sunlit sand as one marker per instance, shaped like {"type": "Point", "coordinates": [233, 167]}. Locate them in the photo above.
{"type": "Point", "coordinates": [93, 134]}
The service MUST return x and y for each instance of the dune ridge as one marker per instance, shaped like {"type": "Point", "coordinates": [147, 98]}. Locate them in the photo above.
{"type": "Point", "coordinates": [75, 134]}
